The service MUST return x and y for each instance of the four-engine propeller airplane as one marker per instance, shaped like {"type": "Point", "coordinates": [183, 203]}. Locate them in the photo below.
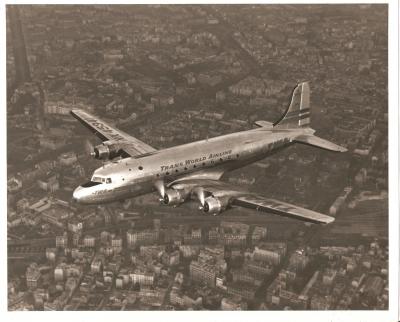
{"type": "Point", "coordinates": [194, 170]}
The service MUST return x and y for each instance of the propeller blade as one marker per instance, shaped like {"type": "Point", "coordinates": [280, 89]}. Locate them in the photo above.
{"type": "Point", "coordinates": [89, 147]}
{"type": "Point", "coordinates": [159, 184]}
{"type": "Point", "coordinates": [199, 192]}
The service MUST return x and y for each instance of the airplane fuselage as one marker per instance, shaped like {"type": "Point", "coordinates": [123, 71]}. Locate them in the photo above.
{"type": "Point", "coordinates": [130, 177]}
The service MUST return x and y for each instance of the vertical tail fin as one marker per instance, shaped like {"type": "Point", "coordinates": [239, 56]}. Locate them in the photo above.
{"type": "Point", "coordinates": [298, 112]}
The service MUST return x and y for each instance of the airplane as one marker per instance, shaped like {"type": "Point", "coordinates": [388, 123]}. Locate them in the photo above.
{"type": "Point", "coordinates": [193, 170]}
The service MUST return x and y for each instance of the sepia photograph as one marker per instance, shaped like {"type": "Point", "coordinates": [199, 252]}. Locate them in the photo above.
{"type": "Point", "coordinates": [206, 157]}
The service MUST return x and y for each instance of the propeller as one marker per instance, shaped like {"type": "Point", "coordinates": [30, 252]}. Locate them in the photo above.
{"type": "Point", "coordinates": [159, 185]}
{"type": "Point", "coordinates": [89, 148]}
{"type": "Point", "coordinates": [200, 194]}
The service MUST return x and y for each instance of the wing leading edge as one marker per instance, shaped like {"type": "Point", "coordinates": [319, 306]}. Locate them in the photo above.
{"type": "Point", "coordinates": [132, 146]}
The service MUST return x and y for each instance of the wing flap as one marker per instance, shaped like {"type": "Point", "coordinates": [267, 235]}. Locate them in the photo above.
{"type": "Point", "coordinates": [132, 146]}
{"type": "Point", "coordinates": [261, 203]}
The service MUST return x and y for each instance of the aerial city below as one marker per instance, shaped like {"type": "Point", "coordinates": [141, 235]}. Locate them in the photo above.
{"type": "Point", "coordinates": [197, 157]}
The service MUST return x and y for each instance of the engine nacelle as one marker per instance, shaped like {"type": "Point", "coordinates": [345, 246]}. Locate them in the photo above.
{"type": "Point", "coordinates": [108, 150]}
{"type": "Point", "coordinates": [215, 205]}
{"type": "Point", "coordinates": [174, 197]}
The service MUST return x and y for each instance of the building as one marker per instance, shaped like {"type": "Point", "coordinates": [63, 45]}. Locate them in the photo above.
{"type": "Point", "coordinates": [51, 254]}
{"type": "Point", "coordinates": [116, 244]}
{"type": "Point", "coordinates": [171, 259]}
{"type": "Point", "coordinates": [298, 261]}
{"type": "Point", "coordinates": [245, 276]}
{"type": "Point", "coordinates": [238, 239]}
{"type": "Point", "coordinates": [213, 235]}
{"type": "Point", "coordinates": [220, 96]}
{"type": "Point", "coordinates": [119, 282]}
{"type": "Point", "coordinates": [258, 269]}
{"type": "Point", "coordinates": [339, 202]}
{"type": "Point", "coordinates": [272, 253]}
{"type": "Point", "coordinates": [14, 184]}
{"type": "Point", "coordinates": [176, 298]}
{"type": "Point", "coordinates": [75, 226]}
{"type": "Point", "coordinates": [67, 159]}
{"type": "Point", "coordinates": [233, 234]}
{"type": "Point", "coordinates": [203, 273]}
{"type": "Point", "coordinates": [59, 273]}
{"type": "Point", "coordinates": [291, 299]}
{"type": "Point", "coordinates": [96, 266]}
{"type": "Point", "coordinates": [142, 277]}
{"type": "Point", "coordinates": [304, 293]}
{"type": "Point", "coordinates": [76, 238]}
{"type": "Point", "coordinates": [152, 297]}
{"type": "Point", "coordinates": [52, 143]}
{"type": "Point", "coordinates": [105, 237]}
{"type": "Point", "coordinates": [233, 303]}
{"type": "Point", "coordinates": [71, 284]}
{"type": "Point", "coordinates": [144, 237]}
{"type": "Point", "coordinates": [151, 252]}
{"type": "Point", "coordinates": [89, 241]}
{"type": "Point", "coordinates": [189, 251]}
{"type": "Point", "coordinates": [319, 302]}
{"type": "Point", "coordinates": [373, 286]}
{"type": "Point", "coordinates": [32, 276]}
{"type": "Point", "coordinates": [193, 237]}
{"type": "Point", "coordinates": [242, 289]}
{"type": "Point", "coordinates": [259, 233]}
{"type": "Point", "coordinates": [62, 241]}
{"type": "Point", "coordinates": [329, 277]}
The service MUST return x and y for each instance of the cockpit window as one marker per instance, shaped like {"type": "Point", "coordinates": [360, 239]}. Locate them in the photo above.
{"type": "Point", "coordinates": [101, 180]}
{"type": "Point", "coordinates": [90, 184]}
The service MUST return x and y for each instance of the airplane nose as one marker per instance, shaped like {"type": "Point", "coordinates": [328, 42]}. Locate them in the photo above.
{"type": "Point", "coordinates": [77, 195]}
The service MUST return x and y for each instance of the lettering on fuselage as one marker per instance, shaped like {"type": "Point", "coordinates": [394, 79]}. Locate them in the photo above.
{"type": "Point", "coordinates": [101, 192]}
{"type": "Point", "coordinates": [194, 161]}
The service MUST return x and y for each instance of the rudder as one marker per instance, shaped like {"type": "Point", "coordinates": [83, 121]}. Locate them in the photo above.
{"type": "Point", "coordinates": [298, 112]}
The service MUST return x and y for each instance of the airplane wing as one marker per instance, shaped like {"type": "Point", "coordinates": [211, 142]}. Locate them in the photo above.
{"type": "Point", "coordinates": [241, 198]}
{"type": "Point", "coordinates": [131, 146]}
{"type": "Point", "coordinates": [261, 203]}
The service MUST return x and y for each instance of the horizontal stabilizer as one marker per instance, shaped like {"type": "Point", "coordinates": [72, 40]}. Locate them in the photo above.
{"type": "Point", "coordinates": [265, 124]}
{"type": "Point", "coordinates": [320, 143]}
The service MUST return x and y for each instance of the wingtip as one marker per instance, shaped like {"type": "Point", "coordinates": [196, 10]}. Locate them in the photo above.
{"type": "Point", "coordinates": [329, 220]}
{"type": "Point", "coordinates": [75, 112]}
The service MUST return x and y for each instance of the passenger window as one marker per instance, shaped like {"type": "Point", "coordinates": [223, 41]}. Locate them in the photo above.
{"type": "Point", "coordinates": [108, 180]}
